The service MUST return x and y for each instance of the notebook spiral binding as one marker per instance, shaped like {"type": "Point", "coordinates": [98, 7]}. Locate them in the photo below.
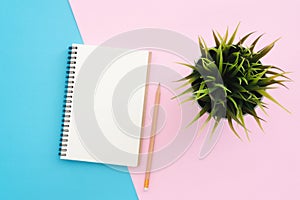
{"type": "Point", "coordinates": [67, 105]}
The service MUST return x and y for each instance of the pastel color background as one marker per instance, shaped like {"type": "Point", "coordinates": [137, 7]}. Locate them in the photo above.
{"type": "Point", "coordinates": [35, 36]}
{"type": "Point", "coordinates": [268, 166]}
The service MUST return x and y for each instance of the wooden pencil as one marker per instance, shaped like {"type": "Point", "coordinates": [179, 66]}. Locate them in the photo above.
{"type": "Point", "coordinates": [152, 139]}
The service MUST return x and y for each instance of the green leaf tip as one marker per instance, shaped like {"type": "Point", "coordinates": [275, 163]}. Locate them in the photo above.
{"type": "Point", "coordinates": [233, 35]}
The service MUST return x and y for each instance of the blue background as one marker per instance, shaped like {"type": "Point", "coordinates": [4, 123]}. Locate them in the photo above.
{"type": "Point", "coordinates": [34, 39]}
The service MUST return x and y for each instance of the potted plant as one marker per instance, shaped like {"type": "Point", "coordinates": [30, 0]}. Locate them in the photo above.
{"type": "Point", "coordinates": [230, 81]}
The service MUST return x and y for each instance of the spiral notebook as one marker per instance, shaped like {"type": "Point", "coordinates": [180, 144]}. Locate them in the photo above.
{"type": "Point", "coordinates": [103, 104]}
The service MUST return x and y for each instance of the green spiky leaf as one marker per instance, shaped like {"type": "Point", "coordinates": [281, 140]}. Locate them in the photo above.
{"type": "Point", "coordinates": [261, 53]}
{"type": "Point", "coordinates": [245, 38]}
{"type": "Point", "coordinates": [244, 84]}
{"type": "Point", "coordinates": [255, 42]}
{"type": "Point", "coordinates": [233, 35]}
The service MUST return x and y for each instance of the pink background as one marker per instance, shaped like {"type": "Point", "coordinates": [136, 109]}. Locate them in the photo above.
{"type": "Point", "coordinates": [266, 168]}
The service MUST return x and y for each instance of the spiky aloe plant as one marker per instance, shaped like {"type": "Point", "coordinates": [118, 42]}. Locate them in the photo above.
{"type": "Point", "coordinates": [244, 80]}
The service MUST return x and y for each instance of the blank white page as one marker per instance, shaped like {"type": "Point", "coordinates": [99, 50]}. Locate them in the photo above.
{"type": "Point", "coordinates": [107, 105]}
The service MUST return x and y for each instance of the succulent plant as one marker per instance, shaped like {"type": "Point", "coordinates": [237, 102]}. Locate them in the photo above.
{"type": "Point", "coordinates": [229, 80]}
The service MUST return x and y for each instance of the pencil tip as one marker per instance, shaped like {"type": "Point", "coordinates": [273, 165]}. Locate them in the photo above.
{"type": "Point", "coordinates": [158, 88]}
{"type": "Point", "coordinates": [145, 189]}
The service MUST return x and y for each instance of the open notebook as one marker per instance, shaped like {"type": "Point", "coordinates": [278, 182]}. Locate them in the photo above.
{"type": "Point", "coordinates": [103, 106]}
